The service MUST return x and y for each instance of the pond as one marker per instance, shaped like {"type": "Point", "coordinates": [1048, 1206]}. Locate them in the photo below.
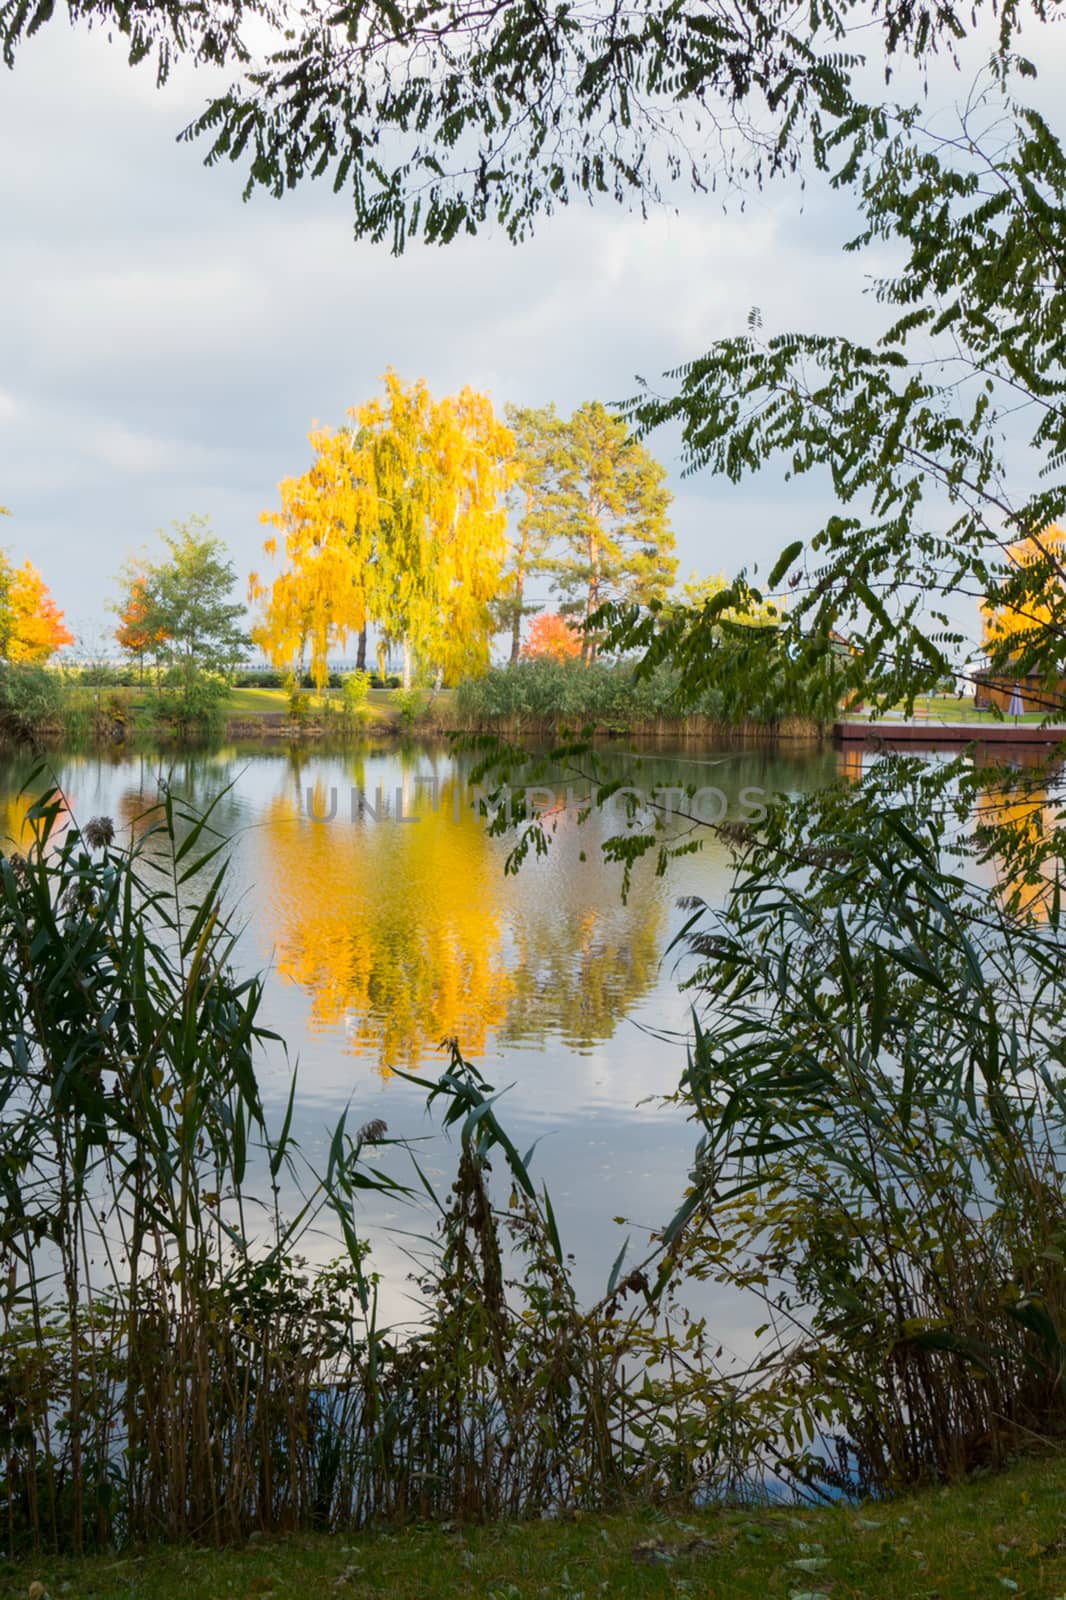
{"type": "Point", "coordinates": [376, 901]}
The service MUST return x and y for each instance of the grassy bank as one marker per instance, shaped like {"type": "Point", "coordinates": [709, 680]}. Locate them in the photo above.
{"type": "Point", "coordinates": [124, 713]}
{"type": "Point", "coordinates": [990, 1536]}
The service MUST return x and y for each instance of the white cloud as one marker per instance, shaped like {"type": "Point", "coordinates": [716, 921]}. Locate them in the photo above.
{"type": "Point", "coordinates": [180, 343]}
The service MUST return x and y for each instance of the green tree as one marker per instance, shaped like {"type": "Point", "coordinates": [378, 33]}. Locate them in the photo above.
{"type": "Point", "coordinates": [182, 608]}
{"type": "Point", "coordinates": [945, 439]}
{"type": "Point", "coordinates": [536, 432]}
{"type": "Point", "coordinates": [605, 504]}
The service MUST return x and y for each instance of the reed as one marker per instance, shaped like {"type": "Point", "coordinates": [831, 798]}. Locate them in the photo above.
{"type": "Point", "coordinates": [170, 1367]}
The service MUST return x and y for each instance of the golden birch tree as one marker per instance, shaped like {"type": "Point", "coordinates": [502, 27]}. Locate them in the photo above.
{"type": "Point", "coordinates": [1027, 608]}
{"type": "Point", "coordinates": [399, 522]}
{"type": "Point", "coordinates": [436, 473]}
{"type": "Point", "coordinates": [323, 594]}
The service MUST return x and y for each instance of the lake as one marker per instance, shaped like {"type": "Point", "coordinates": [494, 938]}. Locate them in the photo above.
{"type": "Point", "coordinates": [377, 903]}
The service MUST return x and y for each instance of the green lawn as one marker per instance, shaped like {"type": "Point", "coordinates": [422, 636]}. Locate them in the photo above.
{"type": "Point", "coordinates": [256, 702]}
{"type": "Point", "coordinates": [986, 1538]}
{"type": "Point", "coordinates": [247, 704]}
{"type": "Point", "coordinates": [946, 708]}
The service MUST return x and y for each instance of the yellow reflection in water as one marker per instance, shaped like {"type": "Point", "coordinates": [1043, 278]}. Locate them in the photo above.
{"type": "Point", "coordinates": [393, 928]}
{"type": "Point", "coordinates": [1024, 807]}
{"type": "Point", "coordinates": [404, 934]}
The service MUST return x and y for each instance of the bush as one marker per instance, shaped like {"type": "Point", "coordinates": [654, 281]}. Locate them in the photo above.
{"type": "Point", "coordinates": [612, 695]}
{"type": "Point", "coordinates": [299, 706]}
{"type": "Point", "coordinates": [411, 704]}
{"type": "Point", "coordinates": [272, 678]}
{"type": "Point", "coordinates": [879, 1078]}
{"type": "Point", "coordinates": [187, 703]}
{"type": "Point", "coordinates": [31, 700]}
{"type": "Point", "coordinates": [355, 689]}
{"type": "Point", "coordinates": [548, 691]}
{"type": "Point", "coordinates": [259, 678]}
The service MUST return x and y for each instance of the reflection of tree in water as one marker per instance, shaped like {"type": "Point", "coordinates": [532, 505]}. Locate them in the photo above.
{"type": "Point", "coordinates": [1022, 802]}
{"type": "Point", "coordinates": [577, 974]}
{"type": "Point", "coordinates": [407, 934]}
{"type": "Point", "coordinates": [394, 929]}
{"type": "Point", "coordinates": [15, 831]}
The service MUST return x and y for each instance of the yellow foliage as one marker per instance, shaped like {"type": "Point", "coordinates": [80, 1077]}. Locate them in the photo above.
{"type": "Point", "coordinates": [1024, 617]}
{"type": "Point", "coordinates": [400, 522]}
{"type": "Point", "coordinates": [404, 934]}
{"type": "Point", "coordinates": [764, 613]}
{"type": "Point", "coordinates": [395, 930]}
{"type": "Point", "coordinates": [33, 624]}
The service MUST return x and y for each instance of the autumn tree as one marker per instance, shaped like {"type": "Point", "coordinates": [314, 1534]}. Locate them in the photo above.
{"type": "Point", "coordinates": [31, 624]}
{"type": "Point", "coordinates": [436, 472]}
{"type": "Point", "coordinates": [752, 612]}
{"type": "Point", "coordinates": [551, 638]}
{"type": "Point", "coordinates": [400, 522]}
{"type": "Point", "coordinates": [139, 632]}
{"type": "Point", "coordinates": [1028, 601]}
{"type": "Point", "coordinates": [324, 592]}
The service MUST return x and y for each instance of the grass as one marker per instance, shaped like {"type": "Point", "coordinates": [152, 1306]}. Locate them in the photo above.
{"type": "Point", "coordinates": [947, 708]}
{"type": "Point", "coordinates": [249, 703]}
{"type": "Point", "coordinates": [256, 702]}
{"type": "Point", "coordinates": [990, 1536]}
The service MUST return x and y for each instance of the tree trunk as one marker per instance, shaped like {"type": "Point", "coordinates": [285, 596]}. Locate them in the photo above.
{"type": "Point", "coordinates": [360, 660]}
{"type": "Point", "coordinates": [516, 621]}
{"type": "Point", "coordinates": [588, 644]}
{"type": "Point", "coordinates": [406, 662]}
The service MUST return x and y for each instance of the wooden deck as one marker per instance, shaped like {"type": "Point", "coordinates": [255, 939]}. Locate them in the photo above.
{"type": "Point", "coordinates": [932, 734]}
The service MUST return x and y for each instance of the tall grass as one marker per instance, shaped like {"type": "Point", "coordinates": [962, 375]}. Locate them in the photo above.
{"type": "Point", "coordinates": [170, 1366]}
{"type": "Point", "coordinates": [541, 695]}
{"type": "Point", "coordinates": [878, 1087]}
{"type": "Point", "coordinates": [878, 1076]}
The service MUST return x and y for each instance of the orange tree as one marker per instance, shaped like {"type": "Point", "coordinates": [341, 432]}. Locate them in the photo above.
{"type": "Point", "coordinates": [31, 624]}
{"type": "Point", "coordinates": [552, 637]}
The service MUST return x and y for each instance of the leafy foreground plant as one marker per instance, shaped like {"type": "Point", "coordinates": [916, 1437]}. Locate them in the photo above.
{"type": "Point", "coordinates": [877, 1076]}
{"type": "Point", "coordinates": [139, 1389]}
{"type": "Point", "coordinates": [879, 1079]}
{"type": "Point", "coordinates": [169, 1365]}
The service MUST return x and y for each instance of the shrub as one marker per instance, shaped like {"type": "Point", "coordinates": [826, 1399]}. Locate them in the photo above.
{"type": "Point", "coordinates": [614, 695]}
{"type": "Point", "coordinates": [411, 704]}
{"type": "Point", "coordinates": [355, 689]}
{"type": "Point", "coordinates": [259, 678]}
{"type": "Point", "coordinates": [878, 1077]}
{"type": "Point", "coordinates": [31, 700]}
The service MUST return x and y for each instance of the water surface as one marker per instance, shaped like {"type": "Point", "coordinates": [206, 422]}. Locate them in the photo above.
{"type": "Point", "coordinates": [376, 901]}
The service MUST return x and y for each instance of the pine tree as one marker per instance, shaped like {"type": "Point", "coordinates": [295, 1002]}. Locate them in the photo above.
{"type": "Point", "coordinates": [607, 503]}
{"type": "Point", "coordinates": [536, 435]}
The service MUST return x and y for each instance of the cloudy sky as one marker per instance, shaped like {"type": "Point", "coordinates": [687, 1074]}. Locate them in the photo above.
{"type": "Point", "coordinates": [164, 347]}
